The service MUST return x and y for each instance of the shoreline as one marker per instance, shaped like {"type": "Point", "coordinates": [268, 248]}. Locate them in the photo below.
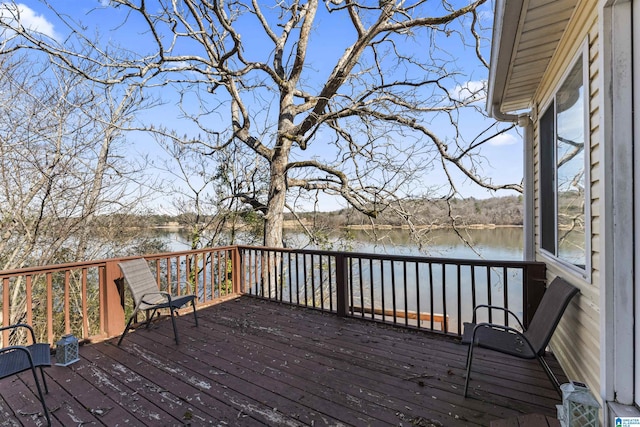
{"type": "Point", "coordinates": [430, 227]}
{"type": "Point", "coordinates": [289, 226]}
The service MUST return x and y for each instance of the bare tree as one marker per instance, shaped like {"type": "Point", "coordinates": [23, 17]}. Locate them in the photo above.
{"type": "Point", "coordinates": [63, 161]}
{"type": "Point", "coordinates": [203, 190]}
{"type": "Point", "coordinates": [347, 98]}
{"type": "Point", "coordinates": [61, 165]}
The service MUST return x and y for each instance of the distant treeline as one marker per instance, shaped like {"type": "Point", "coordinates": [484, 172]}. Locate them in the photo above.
{"type": "Point", "coordinates": [499, 211]}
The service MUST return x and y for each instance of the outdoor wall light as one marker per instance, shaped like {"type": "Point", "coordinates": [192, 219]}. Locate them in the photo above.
{"type": "Point", "coordinates": [579, 408]}
{"type": "Point", "coordinates": [67, 350]}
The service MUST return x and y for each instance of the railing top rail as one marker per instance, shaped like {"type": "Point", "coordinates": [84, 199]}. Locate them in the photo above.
{"type": "Point", "coordinates": [97, 263]}
{"type": "Point", "coordinates": [412, 258]}
{"type": "Point", "coordinates": [42, 269]}
{"type": "Point", "coordinates": [186, 252]}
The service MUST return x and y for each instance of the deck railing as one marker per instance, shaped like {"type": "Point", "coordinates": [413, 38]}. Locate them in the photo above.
{"type": "Point", "coordinates": [431, 293]}
{"type": "Point", "coordinates": [88, 298]}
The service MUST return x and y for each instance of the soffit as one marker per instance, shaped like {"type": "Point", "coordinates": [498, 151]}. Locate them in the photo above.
{"type": "Point", "coordinates": [533, 42]}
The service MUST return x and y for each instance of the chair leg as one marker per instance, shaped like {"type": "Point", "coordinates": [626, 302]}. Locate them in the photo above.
{"type": "Point", "coordinates": [173, 320]}
{"type": "Point", "coordinates": [126, 329]}
{"type": "Point", "coordinates": [44, 381]}
{"type": "Point", "coordinates": [44, 405]}
{"type": "Point", "coordinates": [150, 318]}
{"type": "Point", "coordinates": [195, 316]}
{"type": "Point", "coordinates": [469, 360]}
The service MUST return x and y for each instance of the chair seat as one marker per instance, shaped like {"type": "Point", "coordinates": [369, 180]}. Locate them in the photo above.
{"type": "Point", "coordinates": [498, 340]}
{"type": "Point", "coordinates": [16, 361]}
{"type": "Point", "coordinates": [176, 302]}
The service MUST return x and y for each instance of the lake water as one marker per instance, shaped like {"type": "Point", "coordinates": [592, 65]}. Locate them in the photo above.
{"type": "Point", "coordinates": [504, 243]}
{"type": "Point", "coordinates": [499, 243]}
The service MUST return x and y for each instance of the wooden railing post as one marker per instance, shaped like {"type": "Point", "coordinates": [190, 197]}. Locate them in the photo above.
{"type": "Point", "coordinates": [6, 305]}
{"type": "Point", "coordinates": [534, 282]}
{"type": "Point", "coordinates": [342, 287]}
{"type": "Point", "coordinates": [237, 271]}
{"type": "Point", "coordinates": [113, 309]}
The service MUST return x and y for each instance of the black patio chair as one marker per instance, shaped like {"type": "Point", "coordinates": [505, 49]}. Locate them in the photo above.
{"type": "Point", "coordinates": [19, 358]}
{"type": "Point", "coordinates": [526, 344]}
{"type": "Point", "coordinates": [147, 297]}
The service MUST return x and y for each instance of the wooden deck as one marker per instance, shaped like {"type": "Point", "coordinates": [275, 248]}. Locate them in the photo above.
{"type": "Point", "coordinates": [253, 362]}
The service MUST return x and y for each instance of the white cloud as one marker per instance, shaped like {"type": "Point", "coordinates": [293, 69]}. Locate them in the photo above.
{"type": "Point", "coordinates": [502, 140]}
{"type": "Point", "coordinates": [27, 17]}
{"type": "Point", "coordinates": [470, 91]}
{"type": "Point", "coordinates": [180, 65]}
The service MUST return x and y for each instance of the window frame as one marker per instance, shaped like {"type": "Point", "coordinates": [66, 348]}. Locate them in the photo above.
{"type": "Point", "coordinates": [548, 209]}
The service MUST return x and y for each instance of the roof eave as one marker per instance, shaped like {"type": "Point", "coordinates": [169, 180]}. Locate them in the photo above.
{"type": "Point", "coordinates": [506, 25]}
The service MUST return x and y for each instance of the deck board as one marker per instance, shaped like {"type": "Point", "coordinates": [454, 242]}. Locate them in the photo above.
{"type": "Point", "coordinates": [254, 362]}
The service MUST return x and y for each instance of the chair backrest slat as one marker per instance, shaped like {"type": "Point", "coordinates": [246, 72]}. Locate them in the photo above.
{"type": "Point", "coordinates": [553, 304]}
{"type": "Point", "coordinates": [138, 277]}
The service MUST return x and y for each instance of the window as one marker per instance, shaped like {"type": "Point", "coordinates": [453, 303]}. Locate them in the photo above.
{"type": "Point", "coordinates": [563, 197]}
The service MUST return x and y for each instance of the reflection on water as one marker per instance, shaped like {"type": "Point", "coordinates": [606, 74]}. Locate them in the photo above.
{"type": "Point", "coordinates": [499, 243]}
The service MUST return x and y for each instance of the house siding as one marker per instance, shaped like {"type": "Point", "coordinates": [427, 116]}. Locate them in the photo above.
{"type": "Point", "coordinates": [576, 342]}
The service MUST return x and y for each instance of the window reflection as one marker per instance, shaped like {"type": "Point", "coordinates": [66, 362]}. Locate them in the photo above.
{"type": "Point", "coordinates": [570, 168]}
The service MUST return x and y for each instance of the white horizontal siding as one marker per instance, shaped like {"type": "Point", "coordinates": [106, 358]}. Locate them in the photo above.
{"type": "Point", "coordinates": [576, 342]}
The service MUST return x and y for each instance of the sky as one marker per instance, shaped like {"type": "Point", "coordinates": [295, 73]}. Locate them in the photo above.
{"type": "Point", "coordinates": [503, 154]}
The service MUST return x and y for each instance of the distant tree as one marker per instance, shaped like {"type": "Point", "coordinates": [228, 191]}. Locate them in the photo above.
{"type": "Point", "coordinates": [358, 123]}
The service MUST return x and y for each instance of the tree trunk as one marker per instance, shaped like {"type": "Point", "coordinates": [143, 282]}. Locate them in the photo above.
{"type": "Point", "coordinates": [274, 221]}
{"type": "Point", "coordinates": [274, 218]}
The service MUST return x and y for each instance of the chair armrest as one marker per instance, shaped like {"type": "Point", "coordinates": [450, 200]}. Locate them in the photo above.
{"type": "Point", "coordinates": [21, 325]}
{"type": "Point", "coordinates": [496, 307]}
